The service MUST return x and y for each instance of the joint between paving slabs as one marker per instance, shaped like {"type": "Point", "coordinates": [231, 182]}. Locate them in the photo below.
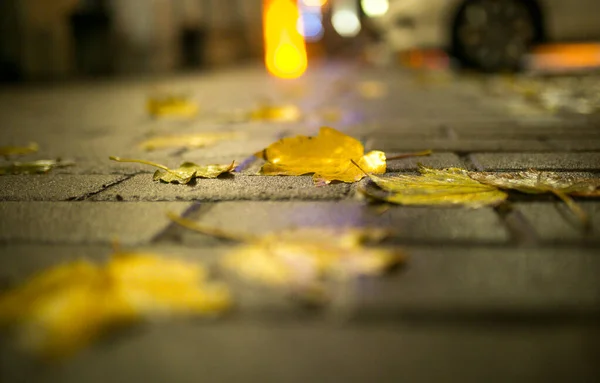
{"type": "Point", "coordinates": [521, 232]}
{"type": "Point", "coordinates": [102, 188]}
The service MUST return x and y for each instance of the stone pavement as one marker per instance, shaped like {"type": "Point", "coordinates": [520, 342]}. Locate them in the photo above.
{"type": "Point", "coordinates": [494, 295]}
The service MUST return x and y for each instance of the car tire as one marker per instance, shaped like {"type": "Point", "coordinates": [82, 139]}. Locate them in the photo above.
{"type": "Point", "coordinates": [493, 35]}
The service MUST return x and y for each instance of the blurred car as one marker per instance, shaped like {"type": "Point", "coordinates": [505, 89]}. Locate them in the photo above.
{"type": "Point", "coordinates": [491, 35]}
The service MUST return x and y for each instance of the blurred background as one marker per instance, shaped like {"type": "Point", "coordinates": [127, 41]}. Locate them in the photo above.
{"type": "Point", "coordinates": [60, 39]}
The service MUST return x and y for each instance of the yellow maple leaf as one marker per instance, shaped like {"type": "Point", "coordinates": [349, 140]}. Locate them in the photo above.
{"type": "Point", "coordinates": [329, 156]}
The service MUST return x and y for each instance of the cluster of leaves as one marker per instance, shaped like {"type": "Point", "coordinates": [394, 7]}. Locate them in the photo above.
{"type": "Point", "coordinates": [30, 167]}
{"type": "Point", "coordinates": [61, 310]}
{"type": "Point", "coordinates": [329, 157]}
{"type": "Point", "coordinates": [476, 189]}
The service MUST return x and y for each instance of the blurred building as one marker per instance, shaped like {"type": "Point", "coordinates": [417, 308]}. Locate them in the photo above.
{"type": "Point", "coordinates": [64, 38]}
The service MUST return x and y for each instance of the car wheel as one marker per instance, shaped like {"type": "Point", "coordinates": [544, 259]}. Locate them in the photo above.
{"type": "Point", "coordinates": [493, 35]}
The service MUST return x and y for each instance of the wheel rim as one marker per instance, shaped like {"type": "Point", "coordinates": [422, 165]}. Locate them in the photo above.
{"type": "Point", "coordinates": [495, 33]}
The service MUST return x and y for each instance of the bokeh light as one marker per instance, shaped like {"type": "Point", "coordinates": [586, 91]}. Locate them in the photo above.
{"type": "Point", "coordinates": [285, 50]}
{"type": "Point", "coordinates": [346, 22]}
{"type": "Point", "coordinates": [375, 8]}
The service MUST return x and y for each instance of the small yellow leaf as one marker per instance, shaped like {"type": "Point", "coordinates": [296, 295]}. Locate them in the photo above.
{"type": "Point", "coordinates": [436, 187]}
{"type": "Point", "coordinates": [34, 167]}
{"type": "Point", "coordinates": [329, 156]}
{"type": "Point", "coordinates": [185, 173]}
{"type": "Point", "coordinates": [171, 105]}
{"type": "Point", "coordinates": [196, 140]}
{"type": "Point", "coordinates": [8, 151]}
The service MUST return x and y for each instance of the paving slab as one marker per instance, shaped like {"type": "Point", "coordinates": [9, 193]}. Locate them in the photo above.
{"type": "Point", "coordinates": [234, 187]}
{"type": "Point", "coordinates": [467, 282]}
{"type": "Point", "coordinates": [408, 223]}
{"type": "Point", "coordinates": [84, 222]}
{"type": "Point", "coordinates": [52, 187]}
{"type": "Point", "coordinates": [186, 351]}
{"type": "Point", "coordinates": [387, 144]}
{"type": "Point", "coordinates": [539, 161]}
{"type": "Point", "coordinates": [553, 222]}
{"type": "Point", "coordinates": [435, 160]}
{"type": "Point", "coordinates": [577, 145]}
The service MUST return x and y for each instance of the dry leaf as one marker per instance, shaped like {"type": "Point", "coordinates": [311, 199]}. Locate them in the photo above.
{"type": "Point", "coordinates": [304, 258]}
{"type": "Point", "coordinates": [436, 187]}
{"type": "Point", "coordinates": [61, 310]}
{"type": "Point", "coordinates": [34, 167]}
{"type": "Point", "coordinates": [275, 113]}
{"type": "Point", "coordinates": [171, 105]}
{"type": "Point", "coordinates": [536, 182]}
{"type": "Point", "coordinates": [329, 156]}
{"type": "Point", "coordinates": [196, 140]}
{"type": "Point", "coordinates": [185, 173]}
{"type": "Point", "coordinates": [8, 151]}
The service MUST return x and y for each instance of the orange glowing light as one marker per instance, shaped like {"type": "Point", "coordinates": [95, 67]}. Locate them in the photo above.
{"type": "Point", "coordinates": [566, 56]}
{"type": "Point", "coordinates": [285, 50]}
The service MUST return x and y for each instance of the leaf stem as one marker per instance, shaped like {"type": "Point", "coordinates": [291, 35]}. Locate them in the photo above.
{"type": "Point", "coordinates": [408, 155]}
{"type": "Point", "coordinates": [212, 231]}
{"type": "Point", "coordinates": [361, 169]}
{"type": "Point", "coordinates": [574, 207]}
{"type": "Point", "coordinates": [163, 167]}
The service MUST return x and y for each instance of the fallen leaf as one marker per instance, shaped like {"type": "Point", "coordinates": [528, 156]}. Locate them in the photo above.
{"type": "Point", "coordinates": [61, 310]}
{"type": "Point", "coordinates": [197, 140]}
{"type": "Point", "coordinates": [171, 105]}
{"type": "Point", "coordinates": [329, 156]}
{"type": "Point", "coordinates": [536, 182]}
{"type": "Point", "coordinates": [34, 167]}
{"type": "Point", "coordinates": [303, 258]}
{"type": "Point", "coordinates": [9, 151]}
{"type": "Point", "coordinates": [443, 187]}
{"type": "Point", "coordinates": [275, 113]}
{"type": "Point", "coordinates": [185, 173]}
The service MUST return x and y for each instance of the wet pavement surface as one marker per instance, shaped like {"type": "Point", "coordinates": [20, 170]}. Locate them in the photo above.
{"type": "Point", "coordinates": [497, 295]}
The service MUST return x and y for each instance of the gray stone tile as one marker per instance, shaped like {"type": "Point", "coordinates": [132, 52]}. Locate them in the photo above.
{"type": "Point", "coordinates": [408, 223]}
{"type": "Point", "coordinates": [553, 222]}
{"type": "Point", "coordinates": [186, 351]}
{"type": "Point", "coordinates": [436, 160]}
{"type": "Point", "coordinates": [51, 187]}
{"type": "Point", "coordinates": [578, 145]}
{"type": "Point", "coordinates": [539, 161]}
{"type": "Point", "coordinates": [84, 222]}
{"type": "Point", "coordinates": [462, 145]}
{"type": "Point", "coordinates": [461, 283]}
{"type": "Point", "coordinates": [235, 187]}
{"type": "Point", "coordinates": [512, 131]}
